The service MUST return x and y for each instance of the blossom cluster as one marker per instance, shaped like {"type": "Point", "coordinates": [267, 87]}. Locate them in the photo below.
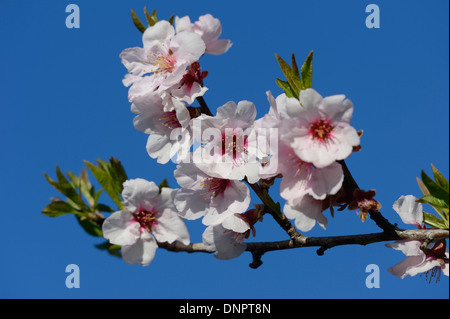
{"type": "Point", "coordinates": [300, 140]}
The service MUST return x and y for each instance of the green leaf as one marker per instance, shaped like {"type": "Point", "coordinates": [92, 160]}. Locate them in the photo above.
{"type": "Point", "coordinates": [434, 221]}
{"type": "Point", "coordinates": [422, 187]}
{"type": "Point", "coordinates": [291, 76]}
{"type": "Point", "coordinates": [119, 171]}
{"type": "Point", "coordinates": [106, 181]}
{"type": "Point", "coordinates": [58, 208]}
{"type": "Point", "coordinates": [104, 208]}
{"type": "Point", "coordinates": [151, 19]}
{"type": "Point", "coordinates": [113, 250]}
{"type": "Point", "coordinates": [295, 72]}
{"type": "Point", "coordinates": [107, 167]}
{"type": "Point", "coordinates": [139, 25]}
{"type": "Point", "coordinates": [306, 71]}
{"type": "Point", "coordinates": [84, 185]}
{"type": "Point", "coordinates": [284, 85]}
{"type": "Point", "coordinates": [91, 227]}
{"type": "Point", "coordinates": [67, 189]}
{"type": "Point", "coordinates": [440, 179]}
{"type": "Point", "coordinates": [433, 201]}
{"type": "Point", "coordinates": [434, 189]}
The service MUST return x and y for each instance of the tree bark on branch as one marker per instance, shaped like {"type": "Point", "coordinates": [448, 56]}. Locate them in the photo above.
{"type": "Point", "coordinates": [260, 248]}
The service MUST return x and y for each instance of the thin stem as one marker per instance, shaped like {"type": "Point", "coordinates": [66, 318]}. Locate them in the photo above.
{"type": "Point", "coordinates": [258, 249]}
{"type": "Point", "coordinates": [350, 185]}
{"type": "Point", "coordinates": [271, 208]}
{"type": "Point", "coordinates": [203, 106]}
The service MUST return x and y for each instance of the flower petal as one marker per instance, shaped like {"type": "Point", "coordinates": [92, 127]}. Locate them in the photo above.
{"type": "Point", "coordinates": [409, 210]}
{"type": "Point", "coordinates": [224, 242]}
{"type": "Point", "coordinates": [158, 34]}
{"type": "Point", "coordinates": [120, 228]}
{"type": "Point", "coordinates": [142, 252]}
{"type": "Point", "coordinates": [170, 227]}
{"type": "Point", "coordinates": [139, 193]}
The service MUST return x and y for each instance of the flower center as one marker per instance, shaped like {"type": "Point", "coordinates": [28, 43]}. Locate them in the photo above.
{"type": "Point", "coordinates": [321, 130]}
{"type": "Point", "coordinates": [213, 187]}
{"type": "Point", "coordinates": [162, 63]}
{"type": "Point", "coordinates": [170, 120]}
{"type": "Point", "coordinates": [234, 145]}
{"type": "Point", "coordinates": [147, 219]}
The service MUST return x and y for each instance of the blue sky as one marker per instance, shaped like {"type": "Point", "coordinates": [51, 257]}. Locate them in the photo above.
{"type": "Point", "coordinates": [63, 102]}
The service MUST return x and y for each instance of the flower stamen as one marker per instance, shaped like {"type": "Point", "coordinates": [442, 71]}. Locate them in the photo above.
{"type": "Point", "coordinates": [170, 120]}
{"type": "Point", "coordinates": [321, 130]}
{"type": "Point", "coordinates": [213, 187]}
{"type": "Point", "coordinates": [162, 63]}
{"type": "Point", "coordinates": [147, 219]}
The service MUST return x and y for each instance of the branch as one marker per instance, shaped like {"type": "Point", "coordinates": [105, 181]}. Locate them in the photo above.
{"type": "Point", "coordinates": [258, 249]}
{"type": "Point", "coordinates": [203, 106]}
{"type": "Point", "coordinates": [350, 185]}
{"type": "Point", "coordinates": [279, 217]}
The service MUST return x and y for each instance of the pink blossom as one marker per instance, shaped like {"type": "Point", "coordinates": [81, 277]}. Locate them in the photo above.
{"type": "Point", "coordinates": [209, 28]}
{"type": "Point", "coordinates": [225, 151]}
{"type": "Point", "coordinates": [433, 260]}
{"type": "Point", "coordinates": [320, 132]}
{"type": "Point", "coordinates": [203, 195]}
{"type": "Point", "coordinates": [301, 178]}
{"type": "Point", "coordinates": [306, 211]}
{"type": "Point", "coordinates": [162, 61]}
{"type": "Point", "coordinates": [164, 124]}
{"type": "Point", "coordinates": [226, 240]}
{"type": "Point", "coordinates": [149, 216]}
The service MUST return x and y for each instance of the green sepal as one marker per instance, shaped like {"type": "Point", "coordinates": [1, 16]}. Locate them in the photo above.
{"type": "Point", "coordinates": [164, 183]}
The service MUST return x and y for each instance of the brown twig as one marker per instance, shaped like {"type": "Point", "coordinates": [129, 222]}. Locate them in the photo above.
{"type": "Point", "coordinates": [258, 249]}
